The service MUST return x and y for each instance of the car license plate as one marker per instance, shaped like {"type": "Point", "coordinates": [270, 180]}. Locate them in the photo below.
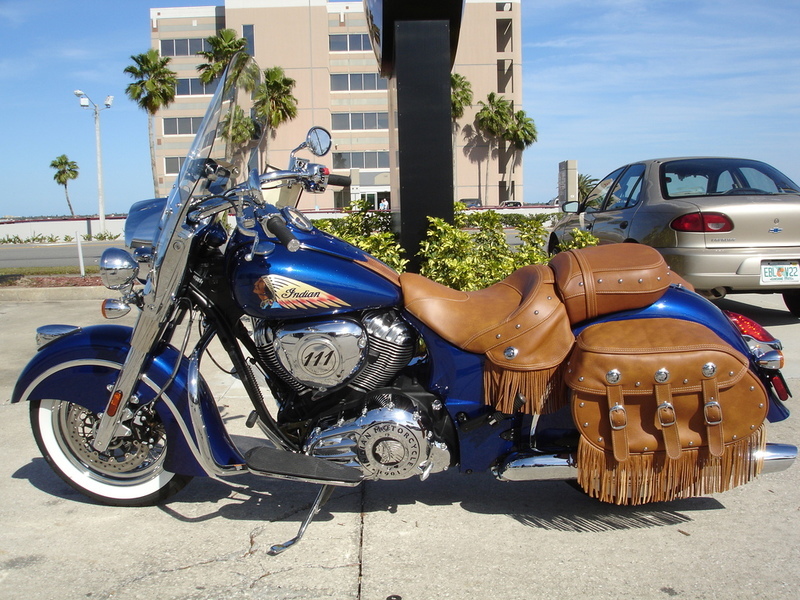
{"type": "Point", "coordinates": [780, 271]}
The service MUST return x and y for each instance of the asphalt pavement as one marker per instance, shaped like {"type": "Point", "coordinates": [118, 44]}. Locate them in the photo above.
{"type": "Point", "coordinates": [453, 536]}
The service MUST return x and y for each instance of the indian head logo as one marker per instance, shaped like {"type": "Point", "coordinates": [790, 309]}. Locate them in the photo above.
{"type": "Point", "coordinates": [290, 293]}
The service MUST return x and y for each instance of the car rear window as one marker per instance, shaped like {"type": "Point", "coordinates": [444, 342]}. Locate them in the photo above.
{"type": "Point", "coordinates": [722, 176]}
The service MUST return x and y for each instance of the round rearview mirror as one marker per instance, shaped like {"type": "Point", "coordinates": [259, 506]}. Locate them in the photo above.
{"type": "Point", "coordinates": [318, 141]}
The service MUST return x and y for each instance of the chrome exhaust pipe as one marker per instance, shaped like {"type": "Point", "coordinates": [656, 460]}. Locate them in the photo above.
{"type": "Point", "coordinates": [541, 466]}
{"type": "Point", "coordinates": [537, 466]}
{"type": "Point", "coordinates": [776, 457]}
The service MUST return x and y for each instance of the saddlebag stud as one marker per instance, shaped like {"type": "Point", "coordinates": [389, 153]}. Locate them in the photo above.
{"type": "Point", "coordinates": [613, 376]}
{"type": "Point", "coordinates": [661, 376]}
{"type": "Point", "coordinates": [510, 353]}
{"type": "Point", "coordinates": [709, 369]}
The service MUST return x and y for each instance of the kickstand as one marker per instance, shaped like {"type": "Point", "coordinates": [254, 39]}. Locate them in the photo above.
{"type": "Point", "coordinates": [323, 496]}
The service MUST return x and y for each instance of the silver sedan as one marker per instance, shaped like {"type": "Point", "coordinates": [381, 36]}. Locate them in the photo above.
{"type": "Point", "coordinates": [727, 225]}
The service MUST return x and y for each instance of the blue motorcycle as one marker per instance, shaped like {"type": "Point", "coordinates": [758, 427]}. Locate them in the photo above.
{"type": "Point", "coordinates": [602, 366]}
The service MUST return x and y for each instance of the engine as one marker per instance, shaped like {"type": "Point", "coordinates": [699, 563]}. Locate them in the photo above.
{"type": "Point", "coordinates": [387, 432]}
{"type": "Point", "coordinates": [327, 354]}
{"type": "Point", "coordinates": [392, 439]}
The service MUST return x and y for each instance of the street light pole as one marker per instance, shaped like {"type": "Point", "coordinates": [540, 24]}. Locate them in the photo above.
{"type": "Point", "coordinates": [85, 102]}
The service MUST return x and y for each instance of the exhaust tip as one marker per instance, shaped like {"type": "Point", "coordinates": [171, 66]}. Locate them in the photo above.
{"type": "Point", "coordinates": [776, 457]}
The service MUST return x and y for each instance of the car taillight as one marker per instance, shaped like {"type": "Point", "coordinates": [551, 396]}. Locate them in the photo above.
{"type": "Point", "coordinates": [702, 222]}
{"type": "Point", "coordinates": [749, 327]}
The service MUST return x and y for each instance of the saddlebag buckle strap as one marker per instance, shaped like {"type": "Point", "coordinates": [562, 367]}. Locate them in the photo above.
{"type": "Point", "coordinates": [712, 412]}
{"type": "Point", "coordinates": [618, 418]}
{"type": "Point", "coordinates": [667, 420]}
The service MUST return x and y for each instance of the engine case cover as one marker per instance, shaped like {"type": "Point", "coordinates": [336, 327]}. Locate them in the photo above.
{"type": "Point", "coordinates": [321, 355]}
{"type": "Point", "coordinates": [386, 443]}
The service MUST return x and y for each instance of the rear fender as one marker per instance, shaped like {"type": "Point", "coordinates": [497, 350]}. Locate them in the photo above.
{"type": "Point", "coordinates": [80, 367]}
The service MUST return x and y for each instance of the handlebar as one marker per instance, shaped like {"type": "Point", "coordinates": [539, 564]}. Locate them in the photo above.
{"type": "Point", "coordinates": [277, 227]}
{"type": "Point", "coordinates": [339, 180]}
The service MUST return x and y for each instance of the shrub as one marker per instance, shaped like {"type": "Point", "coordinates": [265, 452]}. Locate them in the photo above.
{"type": "Point", "coordinates": [470, 254]}
{"type": "Point", "coordinates": [368, 230]}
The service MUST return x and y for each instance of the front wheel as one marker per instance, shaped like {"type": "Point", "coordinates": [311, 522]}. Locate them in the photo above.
{"type": "Point", "coordinates": [791, 299]}
{"type": "Point", "coordinates": [129, 473]}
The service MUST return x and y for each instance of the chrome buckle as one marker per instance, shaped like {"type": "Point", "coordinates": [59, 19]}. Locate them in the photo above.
{"type": "Point", "coordinates": [712, 404]}
{"type": "Point", "coordinates": [617, 408]}
{"type": "Point", "coordinates": [663, 408]}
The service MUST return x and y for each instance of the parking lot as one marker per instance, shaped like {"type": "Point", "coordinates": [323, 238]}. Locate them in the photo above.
{"type": "Point", "coordinates": [453, 536]}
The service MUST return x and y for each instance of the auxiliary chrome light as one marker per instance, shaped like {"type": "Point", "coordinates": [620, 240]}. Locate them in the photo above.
{"type": "Point", "coordinates": [118, 269]}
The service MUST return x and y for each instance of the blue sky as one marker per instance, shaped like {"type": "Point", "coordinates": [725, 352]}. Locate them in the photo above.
{"type": "Point", "coordinates": [606, 81]}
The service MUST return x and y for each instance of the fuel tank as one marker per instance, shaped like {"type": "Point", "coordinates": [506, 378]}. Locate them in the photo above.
{"type": "Point", "coordinates": [326, 276]}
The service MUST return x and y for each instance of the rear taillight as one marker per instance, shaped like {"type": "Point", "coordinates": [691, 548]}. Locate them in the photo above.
{"type": "Point", "coordinates": [780, 387]}
{"type": "Point", "coordinates": [702, 222]}
{"type": "Point", "coordinates": [748, 327]}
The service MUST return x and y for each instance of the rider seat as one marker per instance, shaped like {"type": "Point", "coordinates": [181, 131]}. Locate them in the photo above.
{"type": "Point", "coordinates": [520, 324]}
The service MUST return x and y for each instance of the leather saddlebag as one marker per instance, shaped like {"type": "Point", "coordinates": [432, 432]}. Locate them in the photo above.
{"type": "Point", "coordinates": [665, 408]}
{"type": "Point", "coordinates": [603, 279]}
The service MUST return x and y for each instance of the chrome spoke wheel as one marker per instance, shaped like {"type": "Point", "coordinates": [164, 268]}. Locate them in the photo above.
{"type": "Point", "coordinates": [130, 472]}
{"type": "Point", "coordinates": [131, 458]}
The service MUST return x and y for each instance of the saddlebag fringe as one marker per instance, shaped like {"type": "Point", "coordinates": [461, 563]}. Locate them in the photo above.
{"type": "Point", "coordinates": [532, 392]}
{"type": "Point", "coordinates": [655, 477]}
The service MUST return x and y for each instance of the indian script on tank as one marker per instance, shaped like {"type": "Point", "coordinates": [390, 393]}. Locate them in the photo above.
{"type": "Point", "coordinates": [290, 293]}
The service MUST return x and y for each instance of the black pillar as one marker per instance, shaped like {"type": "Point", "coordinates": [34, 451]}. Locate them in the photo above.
{"type": "Point", "coordinates": [422, 120]}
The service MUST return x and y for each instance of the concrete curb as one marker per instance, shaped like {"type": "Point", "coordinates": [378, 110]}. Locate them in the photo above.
{"type": "Point", "coordinates": [50, 294]}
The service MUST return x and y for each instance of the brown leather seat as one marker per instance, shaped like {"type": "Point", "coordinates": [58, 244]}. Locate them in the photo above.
{"type": "Point", "coordinates": [519, 322]}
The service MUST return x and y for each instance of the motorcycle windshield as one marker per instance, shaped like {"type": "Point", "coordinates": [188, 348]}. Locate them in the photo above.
{"type": "Point", "coordinates": [220, 152]}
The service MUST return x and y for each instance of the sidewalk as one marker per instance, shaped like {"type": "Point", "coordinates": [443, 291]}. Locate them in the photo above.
{"type": "Point", "coordinates": [453, 536]}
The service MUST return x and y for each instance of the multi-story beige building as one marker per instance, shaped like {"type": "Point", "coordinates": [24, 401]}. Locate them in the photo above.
{"type": "Point", "coordinates": [324, 46]}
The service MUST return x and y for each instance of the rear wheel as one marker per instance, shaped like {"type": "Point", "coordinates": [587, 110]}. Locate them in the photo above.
{"type": "Point", "coordinates": [792, 300]}
{"type": "Point", "coordinates": [129, 473]}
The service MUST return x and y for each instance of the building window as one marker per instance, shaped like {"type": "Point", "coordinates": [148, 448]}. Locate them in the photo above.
{"type": "Point", "coordinates": [184, 47]}
{"type": "Point", "coordinates": [194, 87]}
{"type": "Point", "coordinates": [352, 82]}
{"type": "Point", "coordinates": [353, 42]}
{"type": "Point", "coordinates": [505, 76]}
{"type": "Point", "coordinates": [357, 121]}
{"type": "Point", "coordinates": [361, 160]}
{"type": "Point", "coordinates": [248, 33]}
{"type": "Point", "coordinates": [182, 125]}
{"type": "Point", "coordinates": [173, 164]}
{"type": "Point", "coordinates": [505, 42]}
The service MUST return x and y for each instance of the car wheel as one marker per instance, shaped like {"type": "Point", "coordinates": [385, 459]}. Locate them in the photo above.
{"type": "Point", "coordinates": [792, 301]}
{"type": "Point", "coordinates": [552, 246]}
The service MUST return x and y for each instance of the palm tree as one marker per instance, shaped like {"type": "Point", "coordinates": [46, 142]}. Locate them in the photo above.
{"type": "Point", "coordinates": [242, 133]}
{"type": "Point", "coordinates": [460, 95]}
{"type": "Point", "coordinates": [460, 99]}
{"type": "Point", "coordinates": [494, 118]}
{"type": "Point", "coordinates": [521, 131]}
{"type": "Point", "coordinates": [66, 169]}
{"type": "Point", "coordinates": [224, 46]}
{"type": "Point", "coordinates": [153, 89]}
{"type": "Point", "coordinates": [274, 103]}
{"type": "Point", "coordinates": [586, 184]}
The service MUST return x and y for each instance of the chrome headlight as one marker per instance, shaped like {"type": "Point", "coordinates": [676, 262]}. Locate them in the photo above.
{"type": "Point", "coordinates": [118, 268]}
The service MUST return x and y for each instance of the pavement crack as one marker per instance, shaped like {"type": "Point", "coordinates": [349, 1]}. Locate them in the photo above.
{"type": "Point", "coordinates": [361, 540]}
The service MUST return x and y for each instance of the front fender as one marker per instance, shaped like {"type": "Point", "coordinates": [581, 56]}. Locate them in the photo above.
{"type": "Point", "coordinates": [81, 367]}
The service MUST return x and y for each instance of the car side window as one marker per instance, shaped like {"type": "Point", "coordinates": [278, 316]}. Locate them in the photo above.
{"type": "Point", "coordinates": [627, 189]}
{"type": "Point", "coordinates": [758, 180]}
{"type": "Point", "coordinates": [596, 197]}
